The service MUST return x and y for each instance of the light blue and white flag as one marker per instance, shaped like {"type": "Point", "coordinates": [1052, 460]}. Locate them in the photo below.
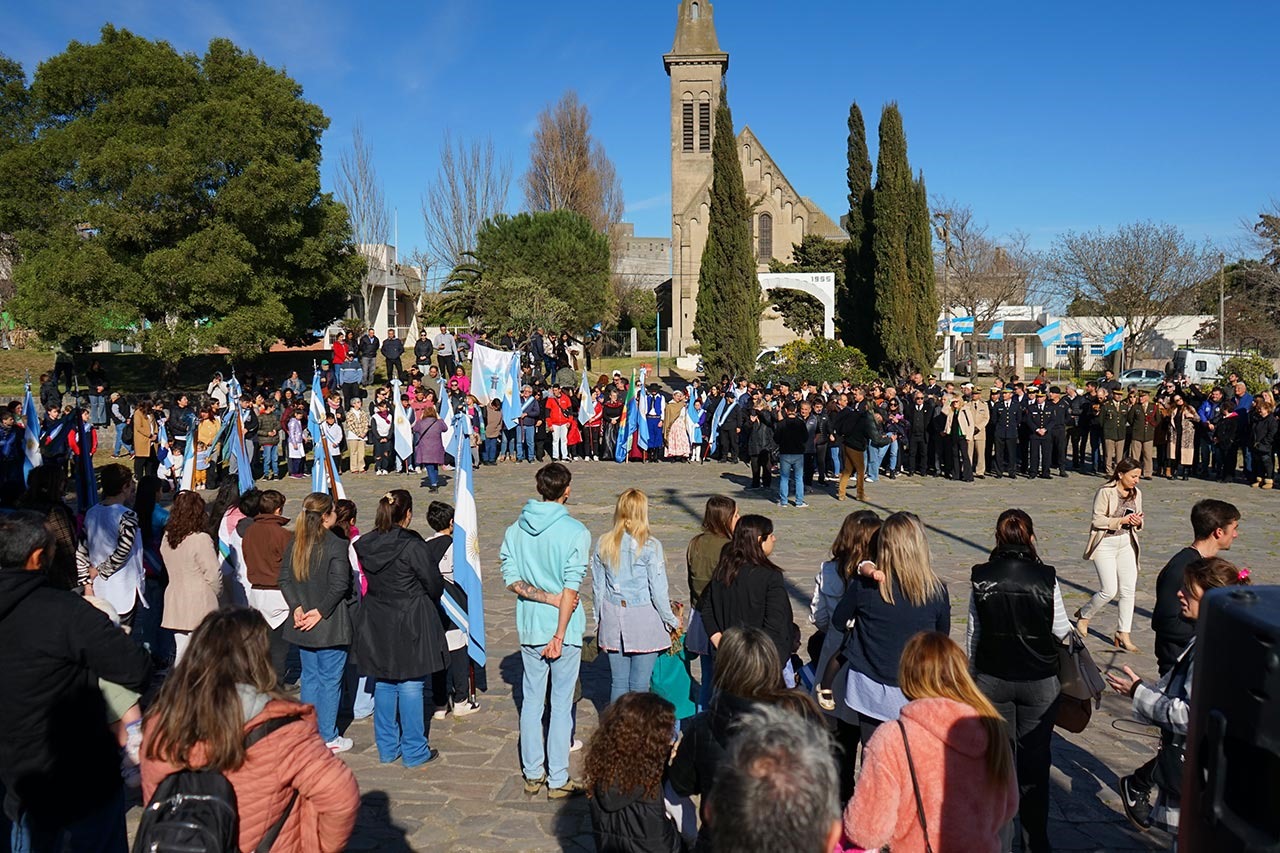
{"type": "Point", "coordinates": [586, 408]}
{"type": "Point", "coordinates": [319, 446]}
{"type": "Point", "coordinates": [1113, 341]}
{"type": "Point", "coordinates": [511, 402]}
{"type": "Point", "coordinates": [695, 435]}
{"type": "Point", "coordinates": [31, 435]}
{"type": "Point", "coordinates": [629, 423]}
{"type": "Point", "coordinates": [239, 450]}
{"type": "Point", "coordinates": [961, 325]}
{"type": "Point", "coordinates": [402, 424]}
{"type": "Point", "coordinates": [445, 411]}
{"type": "Point", "coordinates": [642, 411]}
{"type": "Point", "coordinates": [721, 413]}
{"type": "Point", "coordinates": [1050, 333]}
{"type": "Point", "coordinates": [1075, 339]}
{"type": "Point", "coordinates": [187, 478]}
{"type": "Point", "coordinates": [997, 331]}
{"type": "Point", "coordinates": [492, 376]}
{"type": "Point", "coordinates": [162, 443]}
{"type": "Point", "coordinates": [468, 615]}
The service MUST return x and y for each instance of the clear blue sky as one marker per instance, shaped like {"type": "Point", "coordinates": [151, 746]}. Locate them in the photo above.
{"type": "Point", "coordinates": [1042, 117]}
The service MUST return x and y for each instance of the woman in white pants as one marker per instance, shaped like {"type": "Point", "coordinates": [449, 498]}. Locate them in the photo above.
{"type": "Point", "coordinates": [1113, 547]}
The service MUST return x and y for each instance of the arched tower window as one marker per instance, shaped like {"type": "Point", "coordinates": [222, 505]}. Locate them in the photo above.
{"type": "Point", "coordinates": [704, 123]}
{"type": "Point", "coordinates": [694, 12]}
{"type": "Point", "coordinates": [686, 122]}
{"type": "Point", "coordinates": [764, 237]}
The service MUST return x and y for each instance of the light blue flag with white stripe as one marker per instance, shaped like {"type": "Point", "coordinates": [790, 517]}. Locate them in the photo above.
{"type": "Point", "coordinates": [586, 408]}
{"type": "Point", "coordinates": [469, 617]}
{"type": "Point", "coordinates": [997, 331]}
{"type": "Point", "coordinates": [1050, 333]}
{"type": "Point", "coordinates": [721, 414]}
{"type": "Point", "coordinates": [961, 325]}
{"type": "Point", "coordinates": [1113, 341]}
{"type": "Point", "coordinates": [445, 411]}
{"type": "Point", "coordinates": [31, 457]}
{"type": "Point", "coordinates": [188, 475]}
{"type": "Point", "coordinates": [511, 402]}
{"type": "Point", "coordinates": [315, 422]}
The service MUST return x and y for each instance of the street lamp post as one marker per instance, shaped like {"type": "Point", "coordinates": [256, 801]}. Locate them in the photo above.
{"type": "Point", "coordinates": [945, 231]}
{"type": "Point", "coordinates": [1222, 300]}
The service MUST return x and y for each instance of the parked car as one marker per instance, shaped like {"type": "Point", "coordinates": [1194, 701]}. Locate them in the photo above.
{"type": "Point", "coordinates": [1141, 377]}
{"type": "Point", "coordinates": [984, 365]}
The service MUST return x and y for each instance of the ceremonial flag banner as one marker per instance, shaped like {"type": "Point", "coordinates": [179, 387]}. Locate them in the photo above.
{"type": "Point", "coordinates": [468, 615]}
{"type": "Point", "coordinates": [315, 420]}
{"type": "Point", "coordinates": [511, 402]}
{"type": "Point", "coordinates": [491, 376]}
{"type": "Point", "coordinates": [187, 478]}
{"type": "Point", "coordinates": [1050, 333]}
{"type": "Point", "coordinates": [627, 428]}
{"type": "Point", "coordinates": [401, 425]}
{"type": "Point", "coordinates": [642, 408]}
{"type": "Point", "coordinates": [997, 331]}
{"type": "Point", "coordinates": [585, 407]}
{"type": "Point", "coordinates": [1113, 341]}
{"type": "Point", "coordinates": [445, 411]}
{"type": "Point", "coordinates": [961, 325]}
{"type": "Point", "coordinates": [31, 435]}
{"type": "Point", "coordinates": [87, 477]}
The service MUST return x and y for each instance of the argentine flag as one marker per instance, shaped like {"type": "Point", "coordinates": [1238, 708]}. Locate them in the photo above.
{"type": "Point", "coordinates": [585, 407]}
{"type": "Point", "coordinates": [1113, 341]}
{"type": "Point", "coordinates": [627, 423]}
{"type": "Point", "coordinates": [186, 479]}
{"type": "Point", "coordinates": [468, 615]}
{"type": "Point", "coordinates": [961, 325]}
{"type": "Point", "coordinates": [445, 412]}
{"type": "Point", "coordinates": [401, 426]}
{"type": "Point", "coordinates": [323, 465]}
{"type": "Point", "coordinates": [1050, 333]}
{"type": "Point", "coordinates": [495, 374]}
{"type": "Point", "coordinates": [997, 331]}
{"type": "Point", "coordinates": [511, 402]}
{"type": "Point", "coordinates": [31, 436]}
{"type": "Point", "coordinates": [642, 410]}
{"type": "Point", "coordinates": [721, 414]}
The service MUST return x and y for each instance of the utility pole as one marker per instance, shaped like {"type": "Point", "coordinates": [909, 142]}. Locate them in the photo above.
{"type": "Point", "coordinates": [1222, 300]}
{"type": "Point", "coordinates": [945, 233]}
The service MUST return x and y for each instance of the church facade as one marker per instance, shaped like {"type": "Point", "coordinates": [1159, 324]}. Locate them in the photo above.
{"type": "Point", "coordinates": [780, 217]}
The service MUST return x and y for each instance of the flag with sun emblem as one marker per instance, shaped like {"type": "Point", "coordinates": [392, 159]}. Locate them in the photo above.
{"type": "Point", "coordinates": [31, 436]}
{"type": "Point", "coordinates": [468, 615]}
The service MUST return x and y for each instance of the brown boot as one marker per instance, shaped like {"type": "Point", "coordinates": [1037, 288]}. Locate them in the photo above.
{"type": "Point", "coordinates": [1082, 626]}
{"type": "Point", "coordinates": [1267, 484]}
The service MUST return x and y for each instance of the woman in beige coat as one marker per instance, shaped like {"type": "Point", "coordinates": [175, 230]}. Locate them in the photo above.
{"type": "Point", "coordinates": [1180, 449]}
{"type": "Point", "coordinates": [193, 567]}
{"type": "Point", "coordinates": [1113, 547]}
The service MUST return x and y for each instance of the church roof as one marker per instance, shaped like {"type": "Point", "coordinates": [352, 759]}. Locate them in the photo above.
{"type": "Point", "coordinates": [696, 35]}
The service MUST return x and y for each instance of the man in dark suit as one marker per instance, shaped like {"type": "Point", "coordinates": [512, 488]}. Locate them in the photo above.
{"type": "Point", "coordinates": [1007, 417]}
{"type": "Point", "coordinates": [1038, 417]}
{"type": "Point", "coordinates": [919, 415]}
{"type": "Point", "coordinates": [1062, 416]}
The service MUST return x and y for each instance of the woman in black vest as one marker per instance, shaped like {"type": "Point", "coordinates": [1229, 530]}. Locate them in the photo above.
{"type": "Point", "coordinates": [1016, 623]}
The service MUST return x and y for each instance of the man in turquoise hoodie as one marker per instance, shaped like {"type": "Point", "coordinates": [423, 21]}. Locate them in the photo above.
{"type": "Point", "coordinates": [544, 561]}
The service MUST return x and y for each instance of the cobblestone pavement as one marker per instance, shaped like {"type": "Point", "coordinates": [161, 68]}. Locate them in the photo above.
{"type": "Point", "coordinates": [471, 799]}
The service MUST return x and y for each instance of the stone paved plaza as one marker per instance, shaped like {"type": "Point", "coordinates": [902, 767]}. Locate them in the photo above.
{"type": "Point", "coordinates": [471, 799]}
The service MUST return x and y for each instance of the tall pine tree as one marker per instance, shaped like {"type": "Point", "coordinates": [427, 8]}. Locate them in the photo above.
{"type": "Point", "coordinates": [920, 268]}
{"type": "Point", "coordinates": [893, 200]}
{"type": "Point", "coordinates": [854, 301]}
{"type": "Point", "coordinates": [727, 325]}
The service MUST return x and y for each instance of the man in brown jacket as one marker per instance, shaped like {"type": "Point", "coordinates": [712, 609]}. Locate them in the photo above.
{"type": "Point", "coordinates": [980, 416]}
{"type": "Point", "coordinates": [264, 545]}
{"type": "Point", "coordinates": [1142, 425]}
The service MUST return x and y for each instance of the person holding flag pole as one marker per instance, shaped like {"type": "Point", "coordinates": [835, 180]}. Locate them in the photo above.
{"type": "Point", "coordinates": [324, 470]}
{"type": "Point", "coordinates": [32, 457]}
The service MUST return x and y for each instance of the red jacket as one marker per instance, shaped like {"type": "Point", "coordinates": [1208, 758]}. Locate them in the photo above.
{"type": "Point", "coordinates": [964, 810]}
{"type": "Point", "coordinates": [293, 757]}
{"type": "Point", "coordinates": [73, 440]}
{"type": "Point", "coordinates": [559, 410]}
{"type": "Point", "coordinates": [340, 351]}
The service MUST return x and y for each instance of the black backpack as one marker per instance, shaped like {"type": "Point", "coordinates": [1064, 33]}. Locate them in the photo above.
{"type": "Point", "coordinates": [194, 811]}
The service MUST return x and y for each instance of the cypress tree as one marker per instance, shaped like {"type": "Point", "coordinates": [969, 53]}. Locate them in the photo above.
{"type": "Point", "coordinates": [855, 301]}
{"type": "Point", "coordinates": [895, 323]}
{"type": "Point", "coordinates": [920, 267]}
{"type": "Point", "coordinates": [727, 325]}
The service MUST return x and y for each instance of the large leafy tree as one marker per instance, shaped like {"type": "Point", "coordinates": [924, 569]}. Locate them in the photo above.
{"type": "Point", "coordinates": [727, 326]}
{"type": "Point", "coordinates": [854, 300]}
{"type": "Point", "coordinates": [894, 201]}
{"type": "Point", "coordinates": [920, 268]}
{"type": "Point", "coordinates": [802, 313]}
{"type": "Point", "coordinates": [559, 253]}
{"type": "Point", "coordinates": [175, 195]}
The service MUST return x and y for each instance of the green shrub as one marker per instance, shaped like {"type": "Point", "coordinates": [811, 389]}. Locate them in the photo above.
{"type": "Point", "coordinates": [818, 360]}
{"type": "Point", "coordinates": [1255, 370]}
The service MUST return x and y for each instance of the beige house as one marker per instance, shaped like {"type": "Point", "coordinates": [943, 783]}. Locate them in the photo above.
{"type": "Point", "coordinates": [781, 215]}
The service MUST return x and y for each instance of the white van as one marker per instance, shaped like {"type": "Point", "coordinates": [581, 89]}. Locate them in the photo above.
{"type": "Point", "coordinates": [1200, 366]}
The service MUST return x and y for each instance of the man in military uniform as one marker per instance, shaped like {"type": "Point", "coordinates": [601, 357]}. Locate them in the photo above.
{"type": "Point", "coordinates": [1114, 417]}
{"type": "Point", "coordinates": [1007, 420]}
{"type": "Point", "coordinates": [1038, 417]}
{"type": "Point", "coordinates": [1061, 411]}
{"type": "Point", "coordinates": [976, 443]}
{"type": "Point", "coordinates": [1142, 431]}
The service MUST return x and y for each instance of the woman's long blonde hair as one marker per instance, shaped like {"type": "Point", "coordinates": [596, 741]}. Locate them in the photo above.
{"type": "Point", "coordinates": [902, 553]}
{"type": "Point", "coordinates": [308, 532]}
{"type": "Point", "coordinates": [933, 666]}
{"type": "Point", "coordinates": [631, 515]}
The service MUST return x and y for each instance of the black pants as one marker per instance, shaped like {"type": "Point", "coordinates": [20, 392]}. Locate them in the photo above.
{"type": "Point", "coordinates": [761, 470]}
{"type": "Point", "coordinates": [847, 740]}
{"type": "Point", "coordinates": [1038, 458]}
{"type": "Point", "coordinates": [961, 465]}
{"type": "Point", "coordinates": [1029, 708]}
{"type": "Point", "coordinates": [727, 444]}
{"type": "Point", "coordinates": [917, 454]}
{"type": "Point", "coordinates": [824, 463]}
{"type": "Point", "coordinates": [144, 466]}
{"type": "Point", "coordinates": [1007, 456]}
{"type": "Point", "coordinates": [453, 683]}
{"type": "Point", "coordinates": [64, 370]}
{"type": "Point", "coordinates": [1058, 438]}
{"type": "Point", "coordinates": [1078, 439]}
{"type": "Point", "coordinates": [394, 370]}
{"type": "Point", "coordinates": [280, 651]}
{"type": "Point", "coordinates": [448, 364]}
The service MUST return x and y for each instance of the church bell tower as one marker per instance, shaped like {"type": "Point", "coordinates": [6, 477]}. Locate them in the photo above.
{"type": "Point", "coordinates": [696, 66]}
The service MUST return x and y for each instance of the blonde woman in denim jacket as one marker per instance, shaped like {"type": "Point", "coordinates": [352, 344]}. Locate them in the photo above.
{"type": "Point", "coordinates": [634, 619]}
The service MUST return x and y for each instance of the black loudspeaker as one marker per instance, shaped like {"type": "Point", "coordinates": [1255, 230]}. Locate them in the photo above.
{"type": "Point", "coordinates": [1231, 774]}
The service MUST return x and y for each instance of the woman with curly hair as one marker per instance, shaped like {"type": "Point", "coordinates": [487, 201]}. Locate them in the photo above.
{"type": "Point", "coordinates": [625, 767]}
{"type": "Point", "coordinates": [195, 576]}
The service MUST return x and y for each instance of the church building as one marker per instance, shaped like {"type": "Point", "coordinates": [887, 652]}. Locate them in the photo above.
{"type": "Point", "coordinates": [781, 216]}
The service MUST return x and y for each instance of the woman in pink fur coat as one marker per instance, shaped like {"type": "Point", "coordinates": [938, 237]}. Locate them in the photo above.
{"type": "Point", "coordinates": [960, 751]}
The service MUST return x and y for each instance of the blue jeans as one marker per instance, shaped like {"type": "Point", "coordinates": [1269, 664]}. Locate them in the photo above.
{"type": "Point", "coordinates": [791, 468]}
{"type": "Point", "coordinates": [708, 673]}
{"type": "Point", "coordinates": [835, 460]}
{"type": "Point", "coordinates": [491, 449]}
{"type": "Point", "coordinates": [271, 459]}
{"type": "Point", "coordinates": [433, 474]}
{"type": "Point", "coordinates": [509, 442]}
{"type": "Point", "coordinates": [322, 686]}
{"type": "Point", "coordinates": [892, 451]}
{"type": "Point", "coordinates": [551, 760]}
{"type": "Point", "coordinates": [362, 707]}
{"type": "Point", "coordinates": [406, 738]}
{"type": "Point", "coordinates": [630, 673]}
{"type": "Point", "coordinates": [525, 451]}
{"type": "Point", "coordinates": [875, 455]}
{"type": "Point", "coordinates": [100, 831]}
{"type": "Point", "coordinates": [120, 428]}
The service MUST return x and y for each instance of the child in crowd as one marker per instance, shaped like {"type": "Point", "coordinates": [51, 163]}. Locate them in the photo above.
{"type": "Point", "coordinates": [625, 769]}
{"type": "Point", "coordinates": [297, 444]}
{"type": "Point", "coordinates": [201, 475]}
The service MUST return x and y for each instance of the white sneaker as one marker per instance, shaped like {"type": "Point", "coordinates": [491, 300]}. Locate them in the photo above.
{"type": "Point", "coordinates": [340, 744]}
{"type": "Point", "coordinates": [575, 746]}
{"type": "Point", "coordinates": [468, 707]}
{"type": "Point", "coordinates": [440, 713]}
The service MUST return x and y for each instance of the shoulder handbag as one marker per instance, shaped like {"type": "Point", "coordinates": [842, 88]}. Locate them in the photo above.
{"type": "Point", "coordinates": [915, 788]}
{"type": "Point", "coordinates": [1080, 685]}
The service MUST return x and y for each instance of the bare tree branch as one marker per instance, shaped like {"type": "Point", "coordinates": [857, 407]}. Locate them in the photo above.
{"type": "Point", "coordinates": [359, 189]}
{"type": "Point", "coordinates": [470, 186]}
{"type": "Point", "coordinates": [569, 170]}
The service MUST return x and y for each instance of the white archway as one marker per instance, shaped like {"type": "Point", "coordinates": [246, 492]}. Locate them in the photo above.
{"type": "Point", "coordinates": [819, 285]}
